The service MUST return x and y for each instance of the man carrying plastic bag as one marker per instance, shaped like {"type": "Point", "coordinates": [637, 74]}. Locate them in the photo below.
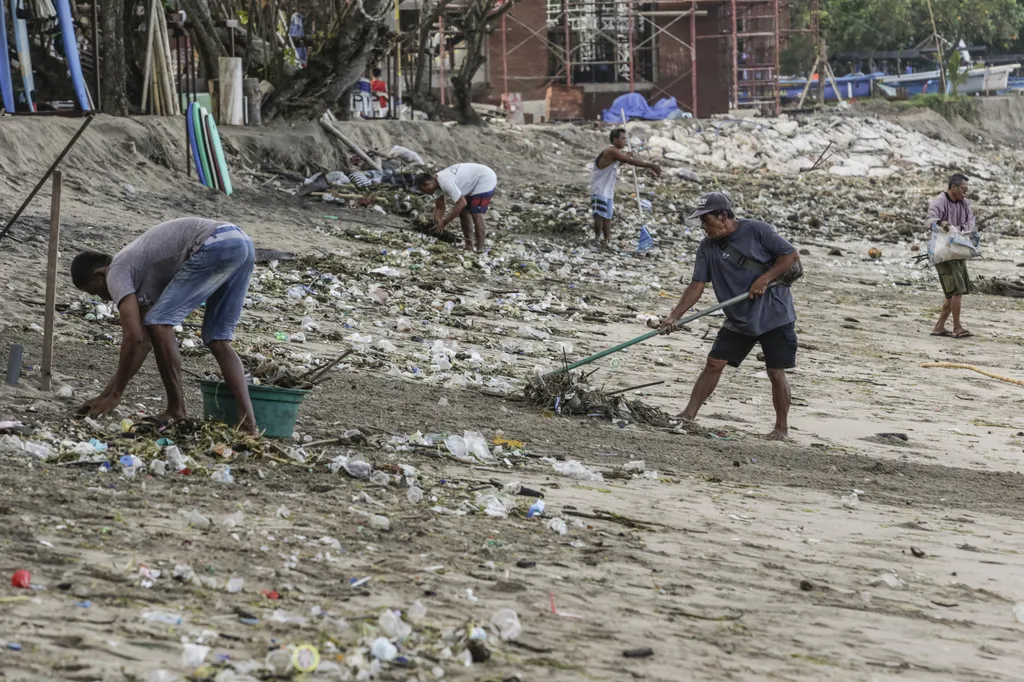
{"type": "Point", "coordinates": [954, 239]}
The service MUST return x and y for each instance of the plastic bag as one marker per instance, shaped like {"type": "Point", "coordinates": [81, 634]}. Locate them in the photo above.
{"type": "Point", "coordinates": [952, 244]}
{"type": "Point", "coordinates": [470, 448]}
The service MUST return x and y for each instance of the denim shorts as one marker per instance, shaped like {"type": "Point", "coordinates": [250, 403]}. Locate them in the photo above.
{"type": "Point", "coordinates": [218, 273]}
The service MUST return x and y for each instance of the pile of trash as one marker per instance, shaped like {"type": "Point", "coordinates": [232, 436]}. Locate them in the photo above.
{"type": "Point", "coordinates": [396, 169]}
{"type": "Point", "coordinates": [264, 371]}
{"type": "Point", "coordinates": [568, 393]}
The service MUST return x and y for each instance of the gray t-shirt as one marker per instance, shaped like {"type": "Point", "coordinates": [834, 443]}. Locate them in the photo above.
{"type": "Point", "coordinates": [758, 241]}
{"type": "Point", "coordinates": [147, 265]}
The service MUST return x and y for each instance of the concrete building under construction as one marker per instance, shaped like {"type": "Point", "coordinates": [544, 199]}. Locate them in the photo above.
{"type": "Point", "coordinates": [569, 59]}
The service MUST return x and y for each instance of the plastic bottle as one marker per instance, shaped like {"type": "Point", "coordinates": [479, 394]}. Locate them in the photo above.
{"type": "Point", "coordinates": [536, 509]}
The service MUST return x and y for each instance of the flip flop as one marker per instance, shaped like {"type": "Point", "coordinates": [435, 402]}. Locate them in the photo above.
{"type": "Point", "coordinates": [963, 335]}
{"type": "Point", "coordinates": [944, 332]}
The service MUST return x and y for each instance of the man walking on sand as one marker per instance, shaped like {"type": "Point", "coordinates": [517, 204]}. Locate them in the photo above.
{"type": "Point", "coordinates": [469, 186]}
{"type": "Point", "coordinates": [155, 282]}
{"type": "Point", "coordinates": [740, 256]}
{"type": "Point", "coordinates": [604, 177]}
{"type": "Point", "coordinates": [952, 208]}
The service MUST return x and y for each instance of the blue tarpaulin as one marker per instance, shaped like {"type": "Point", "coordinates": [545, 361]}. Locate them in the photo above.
{"type": "Point", "coordinates": [636, 106]}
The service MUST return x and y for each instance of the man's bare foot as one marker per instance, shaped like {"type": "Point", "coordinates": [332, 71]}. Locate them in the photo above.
{"type": "Point", "coordinates": [778, 434]}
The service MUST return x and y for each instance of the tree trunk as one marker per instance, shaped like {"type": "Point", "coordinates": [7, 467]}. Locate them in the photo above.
{"type": "Point", "coordinates": [113, 76]}
{"type": "Point", "coordinates": [353, 44]}
{"type": "Point", "coordinates": [205, 36]}
{"type": "Point", "coordinates": [475, 24]}
{"type": "Point", "coordinates": [249, 26]}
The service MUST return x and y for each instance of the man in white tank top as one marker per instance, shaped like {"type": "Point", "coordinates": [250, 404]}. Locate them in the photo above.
{"type": "Point", "coordinates": [604, 177]}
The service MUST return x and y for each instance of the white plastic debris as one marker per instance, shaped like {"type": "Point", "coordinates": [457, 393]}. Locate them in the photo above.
{"type": "Point", "coordinates": [196, 520]}
{"type": "Point", "coordinates": [470, 448]}
{"type": "Point", "coordinates": [506, 622]}
{"type": "Point", "coordinates": [222, 474]}
{"type": "Point", "coordinates": [494, 503]}
{"type": "Point", "coordinates": [383, 650]}
{"type": "Point", "coordinates": [392, 625]}
{"type": "Point", "coordinates": [175, 460]}
{"type": "Point", "coordinates": [41, 451]}
{"type": "Point", "coordinates": [575, 470]}
{"type": "Point", "coordinates": [558, 525]}
{"type": "Point", "coordinates": [890, 580]}
{"type": "Point", "coordinates": [417, 612]}
{"type": "Point", "coordinates": [235, 585]}
{"type": "Point", "coordinates": [378, 522]}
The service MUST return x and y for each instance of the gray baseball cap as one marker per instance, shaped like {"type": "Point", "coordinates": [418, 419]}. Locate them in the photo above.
{"type": "Point", "coordinates": [712, 202]}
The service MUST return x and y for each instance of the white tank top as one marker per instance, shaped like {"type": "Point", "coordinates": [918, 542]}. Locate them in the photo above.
{"type": "Point", "coordinates": [602, 182]}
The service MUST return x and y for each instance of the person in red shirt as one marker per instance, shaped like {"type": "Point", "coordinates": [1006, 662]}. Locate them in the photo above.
{"type": "Point", "coordinates": [379, 88]}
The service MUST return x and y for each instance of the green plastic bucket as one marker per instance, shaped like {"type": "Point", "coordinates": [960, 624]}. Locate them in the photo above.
{"type": "Point", "coordinates": [275, 408]}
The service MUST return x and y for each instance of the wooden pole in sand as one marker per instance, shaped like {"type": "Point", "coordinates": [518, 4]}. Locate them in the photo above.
{"type": "Point", "coordinates": [148, 62]}
{"type": "Point", "coordinates": [51, 282]}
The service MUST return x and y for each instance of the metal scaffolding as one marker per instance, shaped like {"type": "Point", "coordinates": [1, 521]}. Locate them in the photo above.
{"type": "Point", "coordinates": [755, 55]}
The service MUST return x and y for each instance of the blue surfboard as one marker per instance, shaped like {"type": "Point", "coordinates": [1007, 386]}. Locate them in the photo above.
{"type": "Point", "coordinates": [19, 27]}
{"type": "Point", "coordinates": [6, 86]}
{"type": "Point", "coordinates": [67, 32]}
{"type": "Point", "coordinates": [193, 143]}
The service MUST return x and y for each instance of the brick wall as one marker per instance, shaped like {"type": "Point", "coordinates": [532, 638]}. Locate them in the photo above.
{"type": "Point", "coordinates": [673, 63]}
{"type": "Point", "coordinates": [527, 58]}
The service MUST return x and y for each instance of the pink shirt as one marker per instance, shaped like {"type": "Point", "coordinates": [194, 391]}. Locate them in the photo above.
{"type": "Point", "coordinates": [957, 213]}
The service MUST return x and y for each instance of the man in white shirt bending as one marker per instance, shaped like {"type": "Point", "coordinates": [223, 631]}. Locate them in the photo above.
{"type": "Point", "coordinates": [604, 177]}
{"type": "Point", "coordinates": [469, 186]}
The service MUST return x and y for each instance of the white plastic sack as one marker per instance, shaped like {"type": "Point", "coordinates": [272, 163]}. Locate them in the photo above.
{"type": "Point", "coordinates": [407, 155]}
{"type": "Point", "coordinates": [952, 244]}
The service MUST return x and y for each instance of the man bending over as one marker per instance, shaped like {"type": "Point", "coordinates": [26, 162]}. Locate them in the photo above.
{"type": "Point", "coordinates": [155, 282]}
{"type": "Point", "coordinates": [469, 186]}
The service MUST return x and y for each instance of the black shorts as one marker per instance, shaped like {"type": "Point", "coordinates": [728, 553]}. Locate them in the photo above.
{"type": "Point", "coordinates": [778, 346]}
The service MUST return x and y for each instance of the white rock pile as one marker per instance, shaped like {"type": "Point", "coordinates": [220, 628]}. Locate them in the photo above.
{"type": "Point", "coordinates": [861, 147]}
